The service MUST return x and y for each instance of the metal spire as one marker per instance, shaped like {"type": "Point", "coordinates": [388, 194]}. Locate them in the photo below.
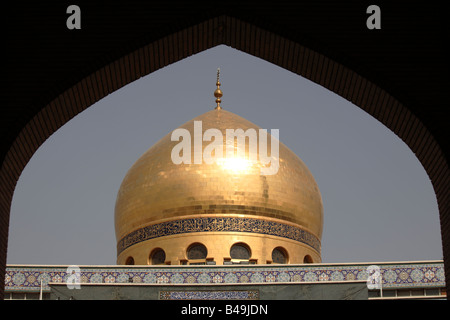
{"type": "Point", "coordinates": [218, 93]}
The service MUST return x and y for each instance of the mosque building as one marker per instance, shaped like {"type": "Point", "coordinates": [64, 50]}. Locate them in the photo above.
{"type": "Point", "coordinates": [190, 228]}
{"type": "Point", "coordinates": [223, 212]}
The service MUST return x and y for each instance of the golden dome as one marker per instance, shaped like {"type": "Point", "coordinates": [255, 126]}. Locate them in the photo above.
{"type": "Point", "coordinates": [167, 206]}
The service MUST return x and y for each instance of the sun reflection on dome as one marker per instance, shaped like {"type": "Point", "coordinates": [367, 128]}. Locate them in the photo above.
{"type": "Point", "coordinates": [236, 164]}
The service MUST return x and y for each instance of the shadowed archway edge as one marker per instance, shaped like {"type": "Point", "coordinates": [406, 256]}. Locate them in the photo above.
{"type": "Point", "coordinates": [250, 39]}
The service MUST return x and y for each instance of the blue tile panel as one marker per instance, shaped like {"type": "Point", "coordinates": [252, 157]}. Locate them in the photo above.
{"type": "Point", "coordinates": [210, 295]}
{"type": "Point", "coordinates": [218, 224]}
{"type": "Point", "coordinates": [394, 275]}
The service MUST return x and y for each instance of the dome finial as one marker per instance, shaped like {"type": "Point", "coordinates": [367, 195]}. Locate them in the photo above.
{"type": "Point", "coordinates": [218, 93]}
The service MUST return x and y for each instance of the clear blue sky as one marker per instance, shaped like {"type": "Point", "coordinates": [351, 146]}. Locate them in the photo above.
{"type": "Point", "coordinates": [379, 204]}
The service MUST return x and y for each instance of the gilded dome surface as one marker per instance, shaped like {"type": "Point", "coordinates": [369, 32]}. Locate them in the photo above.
{"type": "Point", "coordinates": [156, 190]}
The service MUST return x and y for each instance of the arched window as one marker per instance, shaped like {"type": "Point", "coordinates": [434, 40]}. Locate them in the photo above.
{"type": "Point", "coordinates": [158, 256]}
{"type": "Point", "coordinates": [197, 251]}
{"type": "Point", "coordinates": [129, 261]}
{"type": "Point", "coordinates": [307, 259]}
{"type": "Point", "coordinates": [240, 251]}
{"type": "Point", "coordinates": [279, 255]}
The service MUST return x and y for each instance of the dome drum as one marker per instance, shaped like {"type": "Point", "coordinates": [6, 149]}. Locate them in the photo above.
{"type": "Point", "coordinates": [218, 246]}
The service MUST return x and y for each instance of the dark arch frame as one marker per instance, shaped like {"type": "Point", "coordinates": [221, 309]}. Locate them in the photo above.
{"type": "Point", "coordinates": [246, 37]}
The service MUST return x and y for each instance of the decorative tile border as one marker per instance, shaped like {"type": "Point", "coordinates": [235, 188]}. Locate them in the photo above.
{"type": "Point", "coordinates": [219, 224]}
{"type": "Point", "coordinates": [395, 275]}
{"type": "Point", "coordinates": [210, 295]}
